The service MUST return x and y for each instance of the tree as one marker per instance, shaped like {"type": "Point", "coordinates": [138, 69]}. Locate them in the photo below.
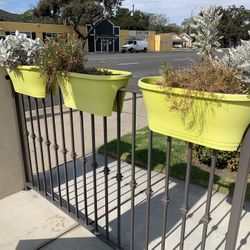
{"type": "Point", "coordinates": [186, 26]}
{"type": "Point", "coordinates": [173, 28]}
{"type": "Point", "coordinates": [29, 17]}
{"type": "Point", "coordinates": [122, 18]}
{"type": "Point", "coordinates": [77, 12]}
{"type": "Point", "coordinates": [127, 19]}
{"type": "Point", "coordinates": [158, 22]}
{"type": "Point", "coordinates": [234, 25]}
{"type": "Point", "coordinates": [140, 21]}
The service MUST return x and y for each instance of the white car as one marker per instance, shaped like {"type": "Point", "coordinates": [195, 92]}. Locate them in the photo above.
{"type": "Point", "coordinates": [135, 46]}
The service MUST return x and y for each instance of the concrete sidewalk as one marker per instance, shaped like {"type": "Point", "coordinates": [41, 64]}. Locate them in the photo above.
{"type": "Point", "coordinates": [30, 222]}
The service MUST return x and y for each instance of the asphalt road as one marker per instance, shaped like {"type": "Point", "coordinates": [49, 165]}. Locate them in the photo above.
{"type": "Point", "coordinates": [141, 64]}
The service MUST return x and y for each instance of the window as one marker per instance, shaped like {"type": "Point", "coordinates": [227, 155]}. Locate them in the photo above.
{"type": "Point", "coordinates": [54, 36]}
{"type": "Point", "coordinates": [129, 42]}
{"type": "Point", "coordinates": [49, 36]}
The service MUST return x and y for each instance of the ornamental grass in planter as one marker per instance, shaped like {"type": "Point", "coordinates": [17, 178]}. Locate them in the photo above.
{"type": "Point", "coordinates": [21, 56]}
{"type": "Point", "coordinates": [87, 89]}
{"type": "Point", "coordinates": [207, 104]}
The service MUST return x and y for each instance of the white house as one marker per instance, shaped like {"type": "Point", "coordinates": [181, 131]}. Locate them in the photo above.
{"type": "Point", "coordinates": [182, 40]}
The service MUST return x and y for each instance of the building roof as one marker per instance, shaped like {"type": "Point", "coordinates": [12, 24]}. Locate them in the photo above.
{"type": "Point", "coordinates": [185, 36]}
{"type": "Point", "coordinates": [178, 39]}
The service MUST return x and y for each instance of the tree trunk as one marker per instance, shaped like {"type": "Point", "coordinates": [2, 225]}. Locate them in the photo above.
{"type": "Point", "coordinates": [80, 35]}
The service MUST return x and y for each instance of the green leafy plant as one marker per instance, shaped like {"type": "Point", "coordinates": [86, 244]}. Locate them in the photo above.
{"type": "Point", "coordinates": [225, 159]}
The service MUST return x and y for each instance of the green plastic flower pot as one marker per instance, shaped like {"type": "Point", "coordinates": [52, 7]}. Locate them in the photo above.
{"type": "Point", "coordinates": [216, 121]}
{"type": "Point", "coordinates": [27, 80]}
{"type": "Point", "coordinates": [94, 94]}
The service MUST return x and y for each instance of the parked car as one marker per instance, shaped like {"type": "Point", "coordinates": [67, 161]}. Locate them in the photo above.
{"type": "Point", "coordinates": [135, 46]}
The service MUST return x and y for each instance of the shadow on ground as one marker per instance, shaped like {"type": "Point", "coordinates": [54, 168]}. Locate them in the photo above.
{"type": "Point", "coordinates": [81, 243]}
{"type": "Point", "coordinates": [197, 200]}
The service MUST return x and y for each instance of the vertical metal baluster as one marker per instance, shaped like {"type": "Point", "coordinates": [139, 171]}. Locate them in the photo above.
{"type": "Point", "coordinates": [48, 143]}
{"type": "Point", "coordinates": [84, 168]}
{"type": "Point", "coordinates": [73, 156]}
{"type": "Point", "coordinates": [106, 173]}
{"type": "Point", "coordinates": [118, 175]}
{"type": "Point", "coordinates": [40, 140]}
{"type": "Point", "coordinates": [133, 183]}
{"type": "Point", "coordinates": [185, 208]}
{"type": "Point", "coordinates": [64, 150]}
{"type": "Point", "coordinates": [239, 193]}
{"type": "Point", "coordinates": [27, 133]}
{"type": "Point", "coordinates": [148, 190]}
{"type": "Point", "coordinates": [56, 147]}
{"type": "Point", "coordinates": [94, 165]}
{"type": "Point", "coordinates": [165, 198]}
{"type": "Point", "coordinates": [33, 136]}
{"type": "Point", "coordinates": [206, 218]}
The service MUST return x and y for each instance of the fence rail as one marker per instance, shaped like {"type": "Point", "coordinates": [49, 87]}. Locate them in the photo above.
{"type": "Point", "coordinates": [54, 143]}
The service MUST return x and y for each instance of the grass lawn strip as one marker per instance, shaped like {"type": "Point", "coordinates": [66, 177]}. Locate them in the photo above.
{"type": "Point", "coordinates": [224, 179]}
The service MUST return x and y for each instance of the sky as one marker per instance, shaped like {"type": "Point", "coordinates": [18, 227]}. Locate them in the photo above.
{"type": "Point", "coordinates": [176, 10]}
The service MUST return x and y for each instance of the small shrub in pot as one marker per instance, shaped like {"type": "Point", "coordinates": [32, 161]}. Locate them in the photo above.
{"type": "Point", "coordinates": [19, 50]}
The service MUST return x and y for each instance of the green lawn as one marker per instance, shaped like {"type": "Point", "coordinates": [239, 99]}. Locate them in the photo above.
{"type": "Point", "coordinates": [224, 180]}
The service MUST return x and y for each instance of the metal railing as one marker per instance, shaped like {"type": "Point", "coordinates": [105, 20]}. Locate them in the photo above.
{"type": "Point", "coordinates": [40, 133]}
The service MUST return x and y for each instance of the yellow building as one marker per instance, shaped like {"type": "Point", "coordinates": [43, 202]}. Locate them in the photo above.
{"type": "Point", "coordinates": [163, 42]}
{"type": "Point", "coordinates": [105, 38]}
{"type": "Point", "coordinates": [38, 30]}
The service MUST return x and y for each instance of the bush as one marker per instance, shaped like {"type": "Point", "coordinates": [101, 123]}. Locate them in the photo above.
{"type": "Point", "coordinates": [18, 50]}
{"type": "Point", "coordinates": [225, 159]}
{"type": "Point", "coordinates": [62, 56]}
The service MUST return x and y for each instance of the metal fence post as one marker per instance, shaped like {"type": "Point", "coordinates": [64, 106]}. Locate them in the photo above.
{"type": "Point", "coordinates": [24, 143]}
{"type": "Point", "coordinates": [239, 193]}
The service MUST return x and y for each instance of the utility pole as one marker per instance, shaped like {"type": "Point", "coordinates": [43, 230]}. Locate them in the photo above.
{"type": "Point", "coordinates": [133, 10]}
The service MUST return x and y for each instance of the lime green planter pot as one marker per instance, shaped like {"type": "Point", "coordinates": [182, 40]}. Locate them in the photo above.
{"type": "Point", "coordinates": [94, 94]}
{"type": "Point", "coordinates": [219, 120]}
{"type": "Point", "coordinates": [27, 80]}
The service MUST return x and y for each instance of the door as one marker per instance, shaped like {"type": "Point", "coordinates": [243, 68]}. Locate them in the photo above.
{"type": "Point", "coordinates": [111, 45]}
{"type": "Point", "coordinates": [104, 45]}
